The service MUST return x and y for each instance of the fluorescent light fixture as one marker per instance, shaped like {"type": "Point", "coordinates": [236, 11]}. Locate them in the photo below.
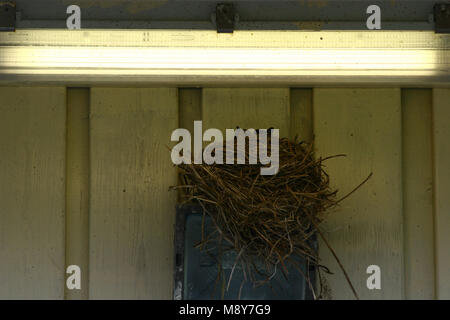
{"type": "Point", "coordinates": [206, 57]}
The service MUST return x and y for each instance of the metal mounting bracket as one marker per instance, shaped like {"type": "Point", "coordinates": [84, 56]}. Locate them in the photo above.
{"type": "Point", "coordinates": [442, 17]}
{"type": "Point", "coordinates": [7, 16]}
{"type": "Point", "coordinates": [225, 17]}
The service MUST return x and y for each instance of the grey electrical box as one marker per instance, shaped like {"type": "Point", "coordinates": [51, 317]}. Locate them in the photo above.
{"type": "Point", "coordinates": [200, 278]}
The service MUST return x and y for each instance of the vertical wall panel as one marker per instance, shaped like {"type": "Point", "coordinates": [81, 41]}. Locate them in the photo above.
{"type": "Point", "coordinates": [131, 210]}
{"type": "Point", "coordinates": [226, 108]}
{"type": "Point", "coordinates": [32, 162]}
{"type": "Point", "coordinates": [77, 188]}
{"type": "Point", "coordinates": [301, 114]}
{"type": "Point", "coordinates": [189, 110]}
{"type": "Point", "coordinates": [441, 136]}
{"type": "Point", "coordinates": [418, 194]}
{"type": "Point", "coordinates": [190, 107]}
{"type": "Point", "coordinates": [366, 229]}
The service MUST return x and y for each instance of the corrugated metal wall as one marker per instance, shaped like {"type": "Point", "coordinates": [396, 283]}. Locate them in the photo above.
{"type": "Point", "coordinates": [84, 178]}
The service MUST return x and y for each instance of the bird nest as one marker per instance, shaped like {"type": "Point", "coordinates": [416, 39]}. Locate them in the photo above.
{"type": "Point", "coordinates": [270, 218]}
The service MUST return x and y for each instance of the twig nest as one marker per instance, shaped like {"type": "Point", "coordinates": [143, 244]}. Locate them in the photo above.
{"type": "Point", "coordinates": [270, 218]}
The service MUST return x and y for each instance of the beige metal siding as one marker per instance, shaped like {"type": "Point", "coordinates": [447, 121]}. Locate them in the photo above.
{"type": "Point", "coordinates": [77, 188]}
{"type": "Point", "coordinates": [246, 108]}
{"type": "Point", "coordinates": [118, 172]}
{"type": "Point", "coordinates": [418, 194]}
{"type": "Point", "coordinates": [131, 211]}
{"type": "Point", "coordinates": [32, 162]}
{"type": "Point", "coordinates": [441, 153]}
{"type": "Point", "coordinates": [367, 228]}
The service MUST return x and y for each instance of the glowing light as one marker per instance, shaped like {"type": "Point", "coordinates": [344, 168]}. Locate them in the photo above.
{"type": "Point", "coordinates": [266, 54]}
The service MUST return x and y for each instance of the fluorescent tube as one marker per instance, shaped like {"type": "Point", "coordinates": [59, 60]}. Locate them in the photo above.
{"type": "Point", "coordinates": [189, 56]}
